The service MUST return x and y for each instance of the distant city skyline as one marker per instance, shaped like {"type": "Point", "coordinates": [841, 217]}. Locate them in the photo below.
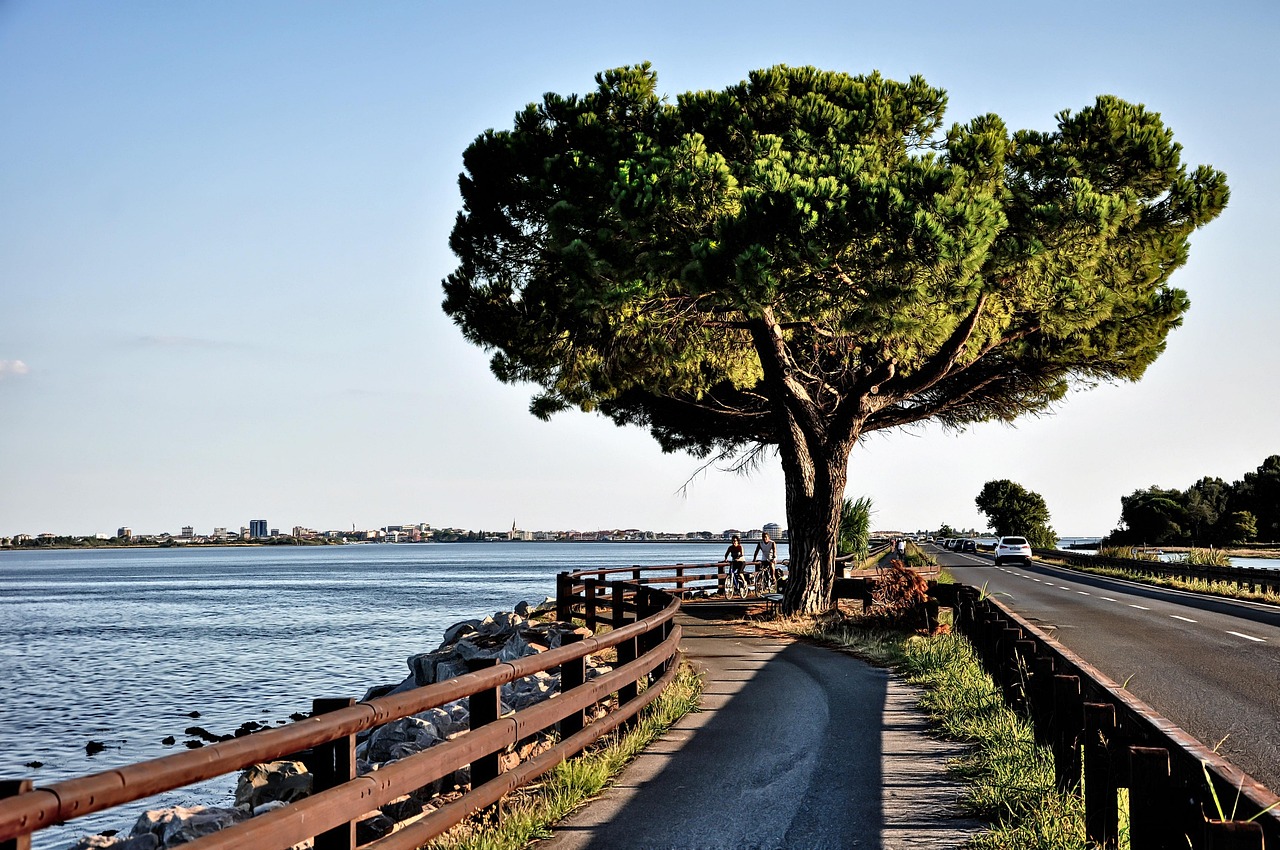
{"type": "Point", "coordinates": [223, 230]}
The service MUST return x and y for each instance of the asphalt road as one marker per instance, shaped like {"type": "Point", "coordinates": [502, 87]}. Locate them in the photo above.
{"type": "Point", "coordinates": [1212, 666]}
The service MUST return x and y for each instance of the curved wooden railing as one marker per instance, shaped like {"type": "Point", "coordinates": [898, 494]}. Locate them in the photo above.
{"type": "Point", "coordinates": [645, 637]}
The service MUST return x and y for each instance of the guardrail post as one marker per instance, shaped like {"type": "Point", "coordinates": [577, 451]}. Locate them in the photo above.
{"type": "Point", "coordinates": [1011, 675]}
{"type": "Point", "coordinates": [12, 788]}
{"type": "Point", "coordinates": [1041, 698]}
{"type": "Point", "coordinates": [619, 604]}
{"type": "Point", "coordinates": [721, 575]}
{"type": "Point", "coordinates": [1233, 835]}
{"type": "Point", "coordinates": [1067, 725]}
{"type": "Point", "coordinates": [679, 580]}
{"type": "Point", "coordinates": [572, 674]}
{"type": "Point", "coordinates": [1150, 824]}
{"type": "Point", "coordinates": [1024, 655]}
{"type": "Point", "coordinates": [1101, 806]}
{"type": "Point", "coordinates": [331, 765]}
{"type": "Point", "coordinates": [484, 708]}
{"type": "Point", "coordinates": [564, 597]}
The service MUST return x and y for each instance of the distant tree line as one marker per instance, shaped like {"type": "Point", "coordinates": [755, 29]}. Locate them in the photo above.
{"type": "Point", "coordinates": [1210, 512]}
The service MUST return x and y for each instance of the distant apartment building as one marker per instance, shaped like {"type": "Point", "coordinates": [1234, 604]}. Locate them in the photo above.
{"type": "Point", "coordinates": [124, 532]}
{"type": "Point", "coordinates": [773, 530]}
{"type": "Point", "coordinates": [187, 532]}
{"type": "Point", "coordinates": [257, 529]}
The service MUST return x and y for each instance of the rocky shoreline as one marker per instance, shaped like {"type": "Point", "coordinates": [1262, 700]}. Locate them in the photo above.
{"type": "Point", "coordinates": [504, 636]}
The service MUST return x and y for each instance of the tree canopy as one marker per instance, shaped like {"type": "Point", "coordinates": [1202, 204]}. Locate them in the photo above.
{"type": "Point", "coordinates": [1014, 510]}
{"type": "Point", "coordinates": [807, 256]}
{"type": "Point", "coordinates": [1211, 512]}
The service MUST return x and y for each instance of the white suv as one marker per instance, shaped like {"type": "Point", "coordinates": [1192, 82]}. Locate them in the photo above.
{"type": "Point", "coordinates": [1013, 549]}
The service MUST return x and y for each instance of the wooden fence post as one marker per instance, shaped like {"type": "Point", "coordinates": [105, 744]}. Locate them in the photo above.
{"type": "Point", "coordinates": [1068, 721]}
{"type": "Point", "coordinates": [1101, 806]}
{"type": "Point", "coordinates": [572, 674]}
{"type": "Point", "coordinates": [1233, 835]}
{"type": "Point", "coordinates": [627, 652]}
{"type": "Point", "coordinates": [1041, 697]}
{"type": "Point", "coordinates": [589, 587]}
{"type": "Point", "coordinates": [484, 708]}
{"type": "Point", "coordinates": [619, 604]}
{"type": "Point", "coordinates": [1150, 826]}
{"type": "Point", "coordinates": [564, 597]}
{"type": "Point", "coordinates": [331, 765]}
{"type": "Point", "coordinates": [12, 788]}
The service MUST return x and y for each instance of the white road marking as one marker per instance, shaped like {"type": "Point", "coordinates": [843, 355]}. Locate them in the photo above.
{"type": "Point", "coordinates": [1083, 593]}
{"type": "Point", "coordinates": [1139, 607]}
{"type": "Point", "coordinates": [1248, 637]}
{"type": "Point", "coordinates": [1107, 598]}
{"type": "Point", "coordinates": [1183, 619]}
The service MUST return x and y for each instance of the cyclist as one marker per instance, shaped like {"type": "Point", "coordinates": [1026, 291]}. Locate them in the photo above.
{"type": "Point", "coordinates": [766, 554]}
{"type": "Point", "coordinates": [737, 567]}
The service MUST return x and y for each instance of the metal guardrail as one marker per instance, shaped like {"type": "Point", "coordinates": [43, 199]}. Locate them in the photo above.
{"type": "Point", "coordinates": [646, 639]}
{"type": "Point", "coordinates": [1250, 578]}
{"type": "Point", "coordinates": [1105, 739]}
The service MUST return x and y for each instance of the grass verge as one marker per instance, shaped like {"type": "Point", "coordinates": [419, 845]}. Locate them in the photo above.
{"type": "Point", "coordinates": [1009, 778]}
{"type": "Point", "coordinates": [1210, 588]}
{"type": "Point", "coordinates": [529, 814]}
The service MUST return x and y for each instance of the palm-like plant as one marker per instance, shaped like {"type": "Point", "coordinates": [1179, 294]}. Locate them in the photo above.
{"type": "Point", "coordinates": [855, 527]}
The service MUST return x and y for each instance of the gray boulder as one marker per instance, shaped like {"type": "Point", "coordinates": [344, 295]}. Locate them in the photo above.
{"type": "Point", "coordinates": [277, 781]}
{"type": "Point", "coordinates": [181, 825]}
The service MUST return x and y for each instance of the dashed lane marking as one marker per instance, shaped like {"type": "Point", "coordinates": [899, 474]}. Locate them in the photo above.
{"type": "Point", "coordinates": [1084, 593]}
{"type": "Point", "coordinates": [1248, 637]}
{"type": "Point", "coordinates": [1108, 599]}
{"type": "Point", "coordinates": [1183, 619]}
{"type": "Point", "coordinates": [1139, 607]}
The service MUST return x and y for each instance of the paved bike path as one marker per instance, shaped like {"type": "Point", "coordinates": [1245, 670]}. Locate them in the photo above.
{"type": "Point", "coordinates": [796, 746]}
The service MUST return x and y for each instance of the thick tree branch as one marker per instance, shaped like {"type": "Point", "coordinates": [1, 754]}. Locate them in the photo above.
{"type": "Point", "coordinates": [780, 371]}
{"type": "Point", "coordinates": [942, 362]}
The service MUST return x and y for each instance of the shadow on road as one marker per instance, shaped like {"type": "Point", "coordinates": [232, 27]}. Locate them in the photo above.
{"type": "Point", "coordinates": [786, 753]}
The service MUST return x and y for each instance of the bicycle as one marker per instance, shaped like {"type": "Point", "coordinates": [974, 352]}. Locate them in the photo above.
{"type": "Point", "coordinates": [766, 579]}
{"type": "Point", "coordinates": [738, 584]}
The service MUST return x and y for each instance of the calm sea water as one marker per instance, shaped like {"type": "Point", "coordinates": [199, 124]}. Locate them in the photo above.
{"type": "Point", "coordinates": [120, 646]}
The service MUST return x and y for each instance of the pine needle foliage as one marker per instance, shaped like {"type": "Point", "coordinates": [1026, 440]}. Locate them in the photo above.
{"type": "Point", "coordinates": [808, 256]}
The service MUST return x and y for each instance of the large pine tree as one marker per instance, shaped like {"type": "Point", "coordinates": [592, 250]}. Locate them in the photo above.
{"type": "Point", "coordinates": [809, 256]}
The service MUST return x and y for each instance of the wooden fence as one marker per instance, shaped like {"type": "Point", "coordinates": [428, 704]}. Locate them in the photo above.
{"type": "Point", "coordinates": [1248, 578]}
{"type": "Point", "coordinates": [1180, 793]}
{"type": "Point", "coordinates": [645, 637]}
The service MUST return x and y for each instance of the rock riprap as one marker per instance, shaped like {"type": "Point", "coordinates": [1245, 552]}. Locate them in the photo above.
{"type": "Point", "coordinates": [505, 636]}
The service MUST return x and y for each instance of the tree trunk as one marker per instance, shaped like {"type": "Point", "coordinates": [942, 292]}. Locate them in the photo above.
{"type": "Point", "coordinates": [815, 481]}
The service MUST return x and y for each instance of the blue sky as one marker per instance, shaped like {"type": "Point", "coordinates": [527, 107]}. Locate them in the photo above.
{"type": "Point", "coordinates": [223, 228]}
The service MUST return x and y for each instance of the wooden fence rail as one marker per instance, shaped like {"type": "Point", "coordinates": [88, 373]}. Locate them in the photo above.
{"type": "Point", "coordinates": [646, 639]}
{"type": "Point", "coordinates": [1104, 739]}
{"type": "Point", "coordinates": [1254, 579]}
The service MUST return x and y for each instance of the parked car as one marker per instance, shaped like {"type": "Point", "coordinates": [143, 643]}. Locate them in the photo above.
{"type": "Point", "coordinates": [1013, 549]}
{"type": "Point", "coordinates": [968, 545]}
